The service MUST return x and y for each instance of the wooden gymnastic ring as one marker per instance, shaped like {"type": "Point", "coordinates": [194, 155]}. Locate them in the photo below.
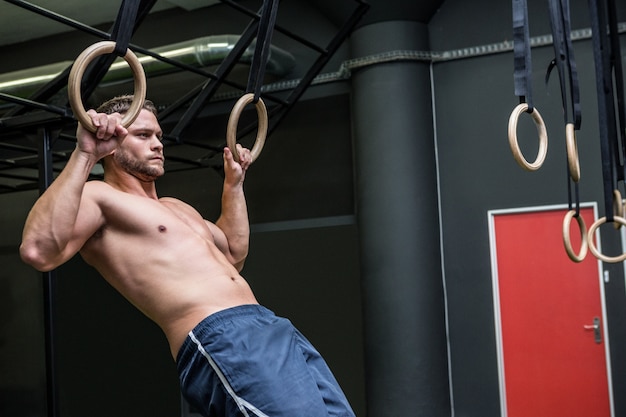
{"type": "Point", "coordinates": [233, 120]}
{"type": "Point", "coordinates": [543, 138]}
{"type": "Point", "coordinates": [594, 250]}
{"type": "Point", "coordinates": [618, 207]}
{"type": "Point", "coordinates": [76, 76]}
{"type": "Point", "coordinates": [572, 152]}
{"type": "Point", "coordinates": [583, 237]}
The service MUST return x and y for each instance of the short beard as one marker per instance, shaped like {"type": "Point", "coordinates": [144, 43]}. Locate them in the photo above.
{"type": "Point", "coordinates": [136, 168]}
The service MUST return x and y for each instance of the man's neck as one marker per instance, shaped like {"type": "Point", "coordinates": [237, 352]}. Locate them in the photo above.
{"type": "Point", "coordinates": [131, 184]}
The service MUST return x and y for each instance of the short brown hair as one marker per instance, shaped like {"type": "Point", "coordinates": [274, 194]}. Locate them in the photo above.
{"type": "Point", "coordinates": [121, 104]}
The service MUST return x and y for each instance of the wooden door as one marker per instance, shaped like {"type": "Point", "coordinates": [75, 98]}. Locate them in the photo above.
{"type": "Point", "coordinates": [552, 357]}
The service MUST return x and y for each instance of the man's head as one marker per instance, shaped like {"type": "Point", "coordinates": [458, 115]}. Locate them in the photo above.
{"type": "Point", "coordinates": [140, 153]}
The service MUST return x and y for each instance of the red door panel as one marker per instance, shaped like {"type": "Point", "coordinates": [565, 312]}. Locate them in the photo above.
{"type": "Point", "coordinates": [552, 364]}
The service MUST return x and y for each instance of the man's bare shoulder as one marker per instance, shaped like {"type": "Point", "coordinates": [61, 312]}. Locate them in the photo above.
{"type": "Point", "coordinates": [97, 187]}
{"type": "Point", "coordinates": [108, 198]}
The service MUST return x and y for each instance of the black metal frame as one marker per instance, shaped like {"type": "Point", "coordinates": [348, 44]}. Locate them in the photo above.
{"type": "Point", "coordinates": [36, 112]}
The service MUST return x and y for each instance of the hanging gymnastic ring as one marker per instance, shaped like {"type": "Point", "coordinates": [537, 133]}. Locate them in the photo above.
{"type": "Point", "coordinates": [513, 142]}
{"type": "Point", "coordinates": [543, 138]}
{"type": "Point", "coordinates": [567, 241]}
{"type": "Point", "coordinates": [233, 120]}
{"type": "Point", "coordinates": [76, 76]}
{"type": "Point", "coordinates": [595, 251]}
{"type": "Point", "coordinates": [572, 152]}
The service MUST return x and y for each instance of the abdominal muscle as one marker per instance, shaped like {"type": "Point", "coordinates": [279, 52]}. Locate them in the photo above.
{"type": "Point", "coordinates": [216, 293]}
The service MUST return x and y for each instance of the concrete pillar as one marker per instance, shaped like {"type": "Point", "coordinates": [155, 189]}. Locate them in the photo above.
{"type": "Point", "coordinates": [397, 214]}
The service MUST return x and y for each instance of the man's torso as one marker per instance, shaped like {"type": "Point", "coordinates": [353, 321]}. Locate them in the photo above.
{"type": "Point", "coordinates": [162, 256]}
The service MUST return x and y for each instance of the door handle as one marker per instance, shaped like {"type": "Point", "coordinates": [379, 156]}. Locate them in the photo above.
{"type": "Point", "coordinates": [597, 332]}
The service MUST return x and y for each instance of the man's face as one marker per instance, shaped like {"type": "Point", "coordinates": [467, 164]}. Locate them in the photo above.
{"type": "Point", "coordinates": [141, 152]}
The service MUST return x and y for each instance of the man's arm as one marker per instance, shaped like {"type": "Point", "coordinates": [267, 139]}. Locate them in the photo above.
{"type": "Point", "coordinates": [233, 220]}
{"type": "Point", "coordinates": [61, 220]}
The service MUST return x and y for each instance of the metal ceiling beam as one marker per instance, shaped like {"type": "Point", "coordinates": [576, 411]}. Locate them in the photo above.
{"type": "Point", "coordinates": [35, 112]}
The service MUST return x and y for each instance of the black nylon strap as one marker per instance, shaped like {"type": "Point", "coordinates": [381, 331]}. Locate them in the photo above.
{"type": "Point", "coordinates": [573, 71]}
{"type": "Point", "coordinates": [564, 61]}
{"type": "Point", "coordinates": [124, 25]}
{"type": "Point", "coordinates": [573, 205]}
{"type": "Point", "coordinates": [618, 79]}
{"type": "Point", "coordinates": [606, 114]}
{"type": "Point", "coordinates": [558, 61]}
{"type": "Point", "coordinates": [262, 48]}
{"type": "Point", "coordinates": [521, 51]}
{"type": "Point", "coordinates": [565, 64]}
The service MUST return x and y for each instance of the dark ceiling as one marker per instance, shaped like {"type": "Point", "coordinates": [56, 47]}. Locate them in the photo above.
{"type": "Point", "coordinates": [383, 10]}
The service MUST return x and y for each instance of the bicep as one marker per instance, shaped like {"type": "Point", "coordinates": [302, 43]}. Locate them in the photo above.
{"type": "Point", "coordinates": [221, 240]}
{"type": "Point", "coordinates": [55, 233]}
{"type": "Point", "coordinates": [219, 237]}
{"type": "Point", "coordinates": [224, 245]}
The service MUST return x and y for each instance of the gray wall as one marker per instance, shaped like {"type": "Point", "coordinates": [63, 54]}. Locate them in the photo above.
{"type": "Point", "coordinates": [473, 100]}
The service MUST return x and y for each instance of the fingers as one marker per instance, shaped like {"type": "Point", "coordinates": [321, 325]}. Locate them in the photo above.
{"type": "Point", "coordinates": [236, 171]}
{"type": "Point", "coordinates": [245, 157]}
{"type": "Point", "coordinates": [107, 125]}
{"type": "Point", "coordinates": [109, 133]}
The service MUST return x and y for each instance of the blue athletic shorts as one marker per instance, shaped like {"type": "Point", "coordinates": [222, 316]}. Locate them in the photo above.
{"type": "Point", "coordinates": [246, 361]}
